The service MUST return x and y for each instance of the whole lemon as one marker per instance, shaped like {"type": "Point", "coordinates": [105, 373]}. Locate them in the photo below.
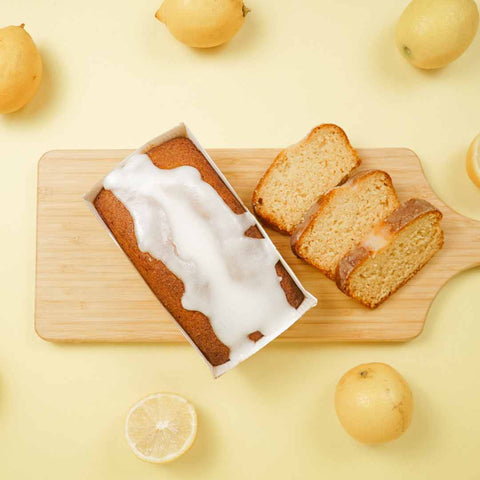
{"type": "Point", "coordinates": [473, 161]}
{"type": "Point", "coordinates": [202, 23]}
{"type": "Point", "coordinates": [374, 403]}
{"type": "Point", "coordinates": [433, 33]}
{"type": "Point", "coordinates": [20, 68]}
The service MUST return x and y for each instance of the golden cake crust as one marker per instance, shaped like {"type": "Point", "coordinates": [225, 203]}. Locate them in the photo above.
{"type": "Point", "coordinates": [399, 219]}
{"type": "Point", "coordinates": [267, 217]}
{"type": "Point", "coordinates": [319, 206]}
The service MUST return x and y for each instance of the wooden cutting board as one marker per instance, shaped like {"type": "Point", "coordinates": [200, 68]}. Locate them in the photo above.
{"type": "Point", "coordinates": [87, 290]}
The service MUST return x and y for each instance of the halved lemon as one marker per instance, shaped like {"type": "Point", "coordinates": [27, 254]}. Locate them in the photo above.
{"type": "Point", "coordinates": [473, 161]}
{"type": "Point", "coordinates": [161, 427]}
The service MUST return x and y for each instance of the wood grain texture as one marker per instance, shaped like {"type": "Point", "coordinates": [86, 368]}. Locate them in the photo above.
{"type": "Point", "coordinates": [87, 290]}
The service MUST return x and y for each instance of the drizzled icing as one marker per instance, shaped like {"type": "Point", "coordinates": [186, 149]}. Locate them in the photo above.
{"type": "Point", "coordinates": [182, 221]}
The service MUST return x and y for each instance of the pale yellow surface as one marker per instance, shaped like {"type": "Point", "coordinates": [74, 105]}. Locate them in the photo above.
{"type": "Point", "coordinates": [113, 79]}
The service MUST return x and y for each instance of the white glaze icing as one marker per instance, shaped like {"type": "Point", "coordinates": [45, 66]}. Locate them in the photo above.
{"type": "Point", "coordinates": [375, 241]}
{"type": "Point", "coordinates": [182, 221]}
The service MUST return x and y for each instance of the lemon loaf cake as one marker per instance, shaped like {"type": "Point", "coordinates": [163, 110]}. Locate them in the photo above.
{"type": "Point", "coordinates": [200, 251]}
{"type": "Point", "coordinates": [393, 252]}
{"type": "Point", "coordinates": [300, 174]}
{"type": "Point", "coordinates": [341, 217]}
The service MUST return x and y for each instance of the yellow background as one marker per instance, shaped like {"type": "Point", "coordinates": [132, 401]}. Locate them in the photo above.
{"type": "Point", "coordinates": [114, 77]}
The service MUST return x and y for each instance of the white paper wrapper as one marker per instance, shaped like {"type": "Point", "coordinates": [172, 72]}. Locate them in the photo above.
{"type": "Point", "coordinates": [309, 300]}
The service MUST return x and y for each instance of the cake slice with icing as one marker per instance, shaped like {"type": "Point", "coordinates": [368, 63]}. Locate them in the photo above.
{"type": "Point", "coordinates": [393, 252]}
{"type": "Point", "coordinates": [201, 252]}
{"type": "Point", "coordinates": [341, 217]}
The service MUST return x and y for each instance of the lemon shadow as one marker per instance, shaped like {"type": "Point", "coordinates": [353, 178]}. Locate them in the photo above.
{"type": "Point", "coordinates": [47, 98]}
{"type": "Point", "coordinates": [392, 66]}
{"type": "Point", "coordinates": [202, 452]}
{"type": "Point", "coordinates": [242, 42]}
{"type": "Point", "coordinates": [462, 194]}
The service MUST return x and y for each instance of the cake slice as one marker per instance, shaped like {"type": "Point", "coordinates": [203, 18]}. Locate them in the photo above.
{"type": "Point", "coordinates": [394, 251]}
{"type": "Point", "coordinates": [300, 174]}
{"type": "Point", "coordinates": [342, 217]}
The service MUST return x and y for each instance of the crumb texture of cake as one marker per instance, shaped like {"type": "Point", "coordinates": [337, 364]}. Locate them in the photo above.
{"type": "Point", "coordinates": [342, 217]}
{"type": "Point", "coordinates": [199, 250]}
{"type": "Point", "coordinates": [394, 251]}
{"type": "Point", "coordinates": [300, 174]}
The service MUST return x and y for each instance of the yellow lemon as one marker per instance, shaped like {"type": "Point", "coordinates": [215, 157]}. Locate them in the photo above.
{"type": "Point", "coordinates": [202, 23]}
{"type": "Point", "coordinates": [20, 68]}
{"type": "Point", "coordinates": [161, 427]}
{"type": "Point", "coordinates": [473, 161]}
{"type": "Point", "coordinates": [433, 33]}
{"type": "Point", "coordinates": [374, 403]}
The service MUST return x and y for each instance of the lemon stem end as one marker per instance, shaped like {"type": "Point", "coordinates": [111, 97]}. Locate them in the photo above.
{"type": "Point", "coordinates": [158, 14]}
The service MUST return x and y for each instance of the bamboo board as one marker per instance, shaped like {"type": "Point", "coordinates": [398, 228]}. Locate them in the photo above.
{"type": "Point", "coordinates": [87, 290]}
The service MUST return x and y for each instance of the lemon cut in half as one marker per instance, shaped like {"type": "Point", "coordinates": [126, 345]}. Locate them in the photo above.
{"type": "Point", "coordinates": [161, 427]}
{"type": "Point", "coordinates": [473, 161]}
